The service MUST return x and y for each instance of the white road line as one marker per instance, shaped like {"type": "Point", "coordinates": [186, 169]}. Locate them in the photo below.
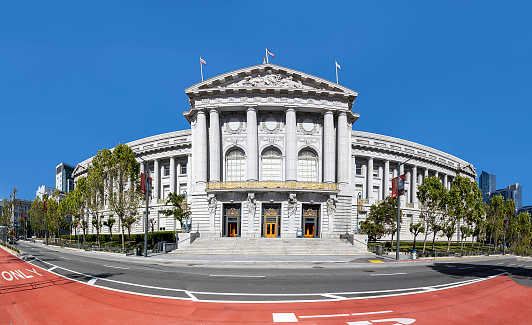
{"type": "Point", "coordinates": [499, 263]}
{"type": "Point", "coordinates": [284, 318]}
{"type": "Point", "coordinates": [52, 268]}
{"type": "Point", "coordinates": [399, 273]}
{"type": "Point", "coordinates": [92, 281]}
{"type": "Point", "coordinates": [117, 267]}
{"type": "Point", "coordinates": [373, 312]}
{"type": "Point", "coordinates": [333, 296]}
{"type": "Point", "coordinates": [238, 276]}
{"type": "Point", "coordinates": [324, 316]}
{"type": "Point", "coordinates": [65, 258]}
{"type": "Point", "coordinates": [468, 267]}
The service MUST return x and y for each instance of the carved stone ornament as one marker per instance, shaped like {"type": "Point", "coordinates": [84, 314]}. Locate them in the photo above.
{"type": "Point", "coordinates": [234, 123]}
{"type": "Point", "coordinates": [212, 205]}
{"type": "Point", "coordinates": [270, 123]}
{"type": "Point", "coordinates": [270, 80]}
{"type": "Point", "coordinates": [331, 206]}
{"type": "Point", "coordinates": [292, 205]}
{"type": "Point", "coordinates": [271, 140]}
{"type": "Point", "coordinates": [308, 124]}
{"type": "Point", "coordinates": [252, 205]}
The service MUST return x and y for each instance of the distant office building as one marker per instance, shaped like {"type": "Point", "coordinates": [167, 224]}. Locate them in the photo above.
{"type": "Point", "coordinates": [527, 209]}
{"type": "Point", "coordinates": [43, 189]}
{"type": "Point", "coordinates": [19, 216]}
{"type": "Point", "coordinates": [63, 178]}
{"type": "Point", "coordinates": [513, 192]}
{"type": "Point", "coordinates": [486, 182]}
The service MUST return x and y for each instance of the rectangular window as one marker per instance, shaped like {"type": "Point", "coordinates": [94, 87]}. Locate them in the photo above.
{"type": "Point", "coordinates": [166, 190]}
{"type": "Point", "coordinates": [359, 169]}
{"type": "Point", "coordinates": [166, 170]}
{"type": "Point", "coordinates": [375, 171]}
{"type": "Point", "coordinates": [359, 189]}
{"type": "Point", "coordinates": [183, 168]}
{"type": "Point", "coordinates": [183, 189]}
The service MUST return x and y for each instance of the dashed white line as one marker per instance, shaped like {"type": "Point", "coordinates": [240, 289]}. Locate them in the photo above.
{"type": "Point", "coordinates": [324, 316]}
{"type": "Point", "coordinates": [65, 258]}
{"type": "Point", "coordinates": [117, 267]}
{"type": "Point", "coordinates": [373, 312]}
{"type": "Point", "coordinates": [237, 276]}
{"type": "Point", "coordinates": [52, 268]}
{"type": "Point", "coordinates": [379, 274]}
{"type": "Point", "coordinates": [92, 281]}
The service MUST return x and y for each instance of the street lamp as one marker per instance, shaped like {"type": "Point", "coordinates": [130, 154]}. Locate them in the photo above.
{"type": "Point", "coordinates": [398, 207]}
{"type": "Point", "coordinates": [359, 208]}
{"type": "Point", "coordinates": [147, 190]}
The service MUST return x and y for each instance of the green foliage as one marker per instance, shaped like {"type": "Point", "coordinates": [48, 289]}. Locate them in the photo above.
{"type": "Point", "coordinates": [135, 239]}
{"type": "Point", "coordinates": [416, 229]}
{"type": "Point", "coordinates": [432, 196]}
{"type": "Point", "coordinates": [180, 208]}
{"type": "Point", "coordinates": [381, 220]}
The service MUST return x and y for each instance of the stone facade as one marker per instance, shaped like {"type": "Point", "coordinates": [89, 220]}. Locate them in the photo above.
{"type": "Point", "coordinates": [271, 153]}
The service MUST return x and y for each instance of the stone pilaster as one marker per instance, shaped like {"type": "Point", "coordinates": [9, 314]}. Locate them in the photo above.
{"type": "Point", "coordinates": [199, 148]}
{"type": "Point", "coordinates": [413, 184]}
{"type": "Point", "coordinates": [386, 178]}
{"type": "Point", "coordinates": [343, 149]}
{"type": "Point", "coordinates": [156, 178]}
{"type": "Point", "coordinates": [370, 178]}
{"type": "Point", "coordinates": [252, 156]}
{"type": "Point", "coordinates": [291, 144]}
{"type": "Point", "coordinates": [214, 145]}
{"type": "Point", "coordinates": [328, 148]}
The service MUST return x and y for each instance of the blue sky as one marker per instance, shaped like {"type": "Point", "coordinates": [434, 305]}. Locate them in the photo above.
{"type": "Point", "coordinates": [76, 76]}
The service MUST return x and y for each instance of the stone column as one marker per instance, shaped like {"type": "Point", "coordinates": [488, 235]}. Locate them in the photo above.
{"type": "Point", "coordinates": [343, 148]}
{"type": "Point", "coordinates": [413, 184]}
{"type": "Point", "coordinates": [386, 178]}
{"type": "Point", "coordinates": [370, 178]}
{"type": "Point", "coordinates": [437, 174]}
{"type": "Point", "coordinates": [291, 144]}
{"type": "Point", "coordinates": [172, 175]}
{"type": "Point", "coordinates": [365, 174]}
{"type": "Point", "coordinates": [252, 156]}
{"type": "Point", "coordinates": [214, 145]}
{"type": "Point", "coordinates": [425, 174]}
{"type": "Point", "coordinates": [200, 148]}
{"type": "Point", "coordinates": [328, 148]}
{"type": "Point", "coordinates": [142, 166]}
{"type": "Point", "coordinates": [189, 178]}
{"type": "Point", "coordinates": [445, 184]}
{"type": "Point", "coordinates": [156, 175]}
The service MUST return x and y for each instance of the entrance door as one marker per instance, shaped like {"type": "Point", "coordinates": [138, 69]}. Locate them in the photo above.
{"type": "Point", "coordinates": [231, 220]}
{"type": "Point", "coordinates": [271, 214]}
{"type": "Point", "coordinates": [310, 227]}
{"type": "Point", "coordinates": [311, 219]}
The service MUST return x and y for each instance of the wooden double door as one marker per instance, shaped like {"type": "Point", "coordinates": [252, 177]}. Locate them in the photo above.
{"type": "Point", "coordinates": [311, 220]}
{"type": "Point", "coordinates": [231, 220]}
{"type": "Point", "coordinates": [271, 220]}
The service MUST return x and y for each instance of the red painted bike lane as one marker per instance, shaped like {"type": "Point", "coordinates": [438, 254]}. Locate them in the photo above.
{"type": "Point", "coordinates": [30, 295]}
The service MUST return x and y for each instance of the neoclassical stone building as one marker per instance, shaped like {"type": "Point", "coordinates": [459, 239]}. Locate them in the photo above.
{"type": "Point", "coordinates": [272, 153]}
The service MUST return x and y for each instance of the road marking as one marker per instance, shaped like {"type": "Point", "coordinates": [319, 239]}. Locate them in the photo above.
{"type": "Point", "coordinates": [324, 316]}
{"type": "Point", "coordinates": [92, 281]}
{"type": "Point", "coordinates": [375, 261]}
{"type": "Point", "coordinates": [396, 321]}
{"type": "Point", "coordinates": [373, 312]}
{"type": "Point", "coordinates": [238, 276]}
{"type": "Point", "coordinates": [117, 267]}
{"type": "Point", "coordinates": [379, 274]}
{"type": "Point", "coordinates": [284, 318]}
{"type": "Point", "coordinates": [467, 267]}
{"type": "Point", "coordinates": [328, 295]}
{"type": "Point", "coordinates": [65, 258]}
{"type": "Point", "coordinates": [52, 268]}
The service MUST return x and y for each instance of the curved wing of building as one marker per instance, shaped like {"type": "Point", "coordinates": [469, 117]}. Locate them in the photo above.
{"type": "Point", "coordinates": [271, 153]}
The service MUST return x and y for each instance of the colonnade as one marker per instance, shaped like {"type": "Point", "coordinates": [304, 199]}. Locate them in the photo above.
{"type": "Point", "coordinates": [207, 163]}
{"type": "Point", "coordinates": [157, 175]}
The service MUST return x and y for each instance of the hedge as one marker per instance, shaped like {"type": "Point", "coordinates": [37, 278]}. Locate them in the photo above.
{"type": "Point", "coordinates": [158, 236]}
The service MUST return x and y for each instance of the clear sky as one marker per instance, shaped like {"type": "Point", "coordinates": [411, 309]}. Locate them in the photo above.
{"type": "Point", "coordinates": [78, 76]}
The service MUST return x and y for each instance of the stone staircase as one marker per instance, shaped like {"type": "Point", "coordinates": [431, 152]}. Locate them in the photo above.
{"type": "Point", "coordinates": [271, 246]}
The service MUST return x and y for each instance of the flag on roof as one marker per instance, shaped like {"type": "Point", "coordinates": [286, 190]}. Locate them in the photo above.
{"type": "Point", "coordinates": [337, 65]}
{"type": "Point", "coordinates": [202, 61]}
{"type": "Point", "coordinates": [270, 53]}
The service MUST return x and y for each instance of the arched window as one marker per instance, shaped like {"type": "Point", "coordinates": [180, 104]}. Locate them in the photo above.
{"type": "Point", "coordinates": [235, 166]}
{"type": "Point", "coordinates": [307, 166]}
{"type": "Point", "coordinates": [271, 165]}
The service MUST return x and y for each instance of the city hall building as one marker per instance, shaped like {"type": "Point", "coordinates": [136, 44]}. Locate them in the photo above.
{"type": "Point", "coordinates": [271, 152]}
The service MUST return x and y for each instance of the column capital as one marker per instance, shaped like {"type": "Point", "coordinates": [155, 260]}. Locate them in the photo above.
{"type": "Point", "coordinates": [213, 109]}
{"type": "Point", "coordinates": [251, 107]}
{"type": "Point", "coordinates": [289, 108]}
{"type": "Point", "coordinates": [328, 111]}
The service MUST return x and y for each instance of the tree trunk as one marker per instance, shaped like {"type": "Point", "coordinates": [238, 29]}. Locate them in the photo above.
{"type": "Point", "coordinates": [392, 241]}
{"type": "Point", "coordinates": [414, 242]}
{"type": "Point", "coordinates": [433, 239]}
{"type": "Point", "coordinates": [425, 242]}
{"type": "Point", "coordinates": [448, 244]}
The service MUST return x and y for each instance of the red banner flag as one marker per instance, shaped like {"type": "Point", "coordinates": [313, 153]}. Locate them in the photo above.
{"type": "Point", "coordinates": [44, 207]}
{"type": "Point", "coordinates": [23, 215]}
{"type": "Point", "coordinates": [398, 186]}
{"type": "Point", "coordinates": [144, 185]}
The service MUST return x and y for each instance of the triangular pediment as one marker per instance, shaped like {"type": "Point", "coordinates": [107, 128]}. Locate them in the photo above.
{"type": "Point", "coordinates": [268, 76]}
{"type": "Point", "coordinates": [469, 169]}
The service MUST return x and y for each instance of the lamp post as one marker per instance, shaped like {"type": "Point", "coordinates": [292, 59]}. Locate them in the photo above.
{"type": "Point", "coordinates": [184, 207]}
{"type": "Point", "coordinates": [359, 208]}
{"type": "Point", "coordinates": [147, 190]}
{"type": "Point", "coordinates": [398, 208]}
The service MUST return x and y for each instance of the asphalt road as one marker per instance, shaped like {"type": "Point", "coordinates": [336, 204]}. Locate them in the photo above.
{"type": "Point", "coordinates": [226, 282]}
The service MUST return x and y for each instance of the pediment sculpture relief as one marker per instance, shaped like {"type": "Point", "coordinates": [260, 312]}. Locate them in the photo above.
{"type": "Point", "coordinates": [270, 80]}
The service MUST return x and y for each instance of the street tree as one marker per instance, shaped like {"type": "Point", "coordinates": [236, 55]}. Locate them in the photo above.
{"type": "Point", "coordinates": [381, 220]}
{"type": "Point", "coordinates": [123, 182]}
{"type": "Point", "coordinates": [109, 223]}
{"type": "Point", "coordinates": [180, 209]}
{"type": "Point", "coordinates": [430, 195]}
{"type": "Point", "coordinates": [416, 229]}
{"type": "Point", "coordinates": [495, 219]}
{"type": "Point", "coordinates": [129, 221]}
{"type": "Point", "coordinates": [8, 210]}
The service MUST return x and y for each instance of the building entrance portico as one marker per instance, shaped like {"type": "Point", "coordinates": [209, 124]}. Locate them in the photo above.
{"type": "Point", "coordinates": [271, 214]}
{"type": "Point", "coordinates": [231, 220]}
{"type": "Point", "coordinates": [311, 220]}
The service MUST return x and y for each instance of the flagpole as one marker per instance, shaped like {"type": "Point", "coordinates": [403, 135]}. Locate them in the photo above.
{"type": "Point", "coordinates": [201, 67]}
{"type": "Point", "coordinates": [336, 66]}
{"type": "Point", "coordinates": [267, 55]}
